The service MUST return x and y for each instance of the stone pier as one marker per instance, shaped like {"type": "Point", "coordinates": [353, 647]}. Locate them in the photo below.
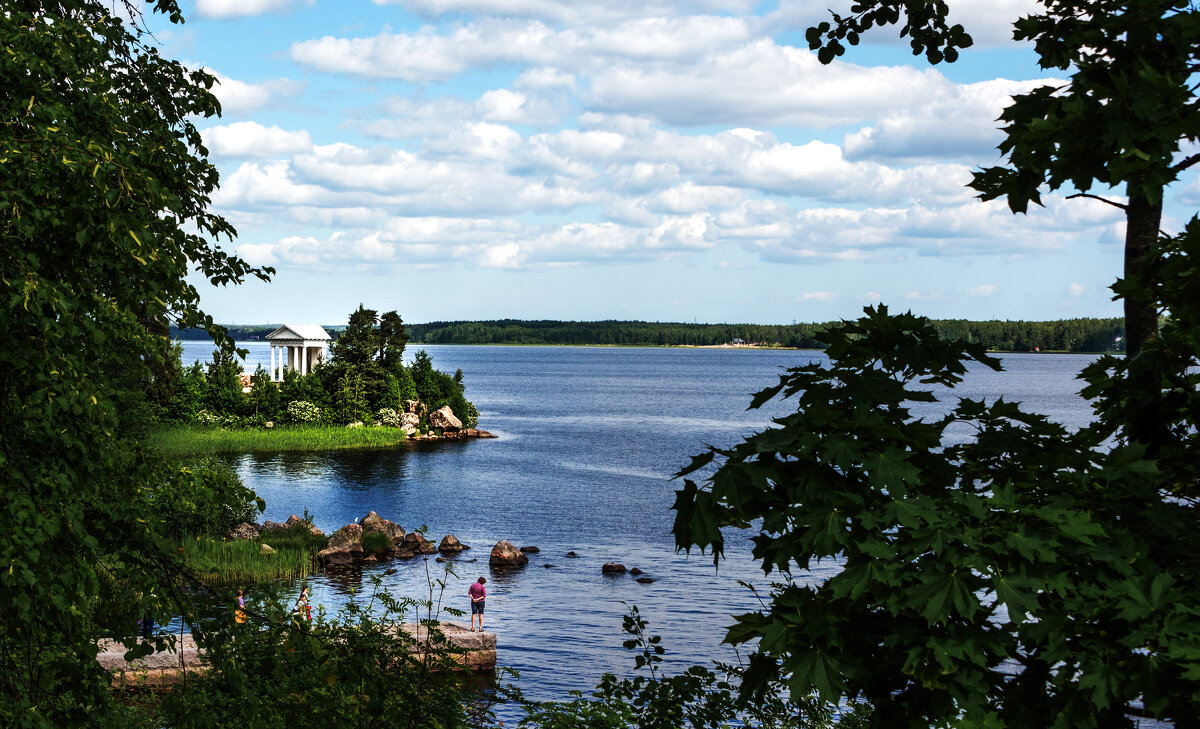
{"type": "Point", "coordinates": [165, 669]}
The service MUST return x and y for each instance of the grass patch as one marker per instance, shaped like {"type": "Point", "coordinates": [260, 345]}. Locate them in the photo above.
{"type": "Point", "coordinates": [184, 440]}
{"type": "Point", "coordinates": [241, 561]}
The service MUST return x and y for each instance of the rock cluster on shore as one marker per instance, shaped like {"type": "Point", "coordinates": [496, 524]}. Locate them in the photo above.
{"type": "Point", "coordinates": [345, 546]}
{"type": "Point", "coordinates": [442, 419]}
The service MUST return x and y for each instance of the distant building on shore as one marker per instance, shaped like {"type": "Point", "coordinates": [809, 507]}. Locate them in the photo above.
{"type": "Point", "coordinates": [301, 348]}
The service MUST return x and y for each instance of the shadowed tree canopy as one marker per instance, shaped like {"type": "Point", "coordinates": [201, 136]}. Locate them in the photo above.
{"type": "Point", "coordinates": [1115, 127]}
{"type": "Point", "coordinates": [103, 210]}
{"type": "Point", "coordinates": [996, 569]}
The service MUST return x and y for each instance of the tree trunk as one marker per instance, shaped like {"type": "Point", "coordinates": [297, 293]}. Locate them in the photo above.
{"type": "Point", "coordinates": [1142, 220]}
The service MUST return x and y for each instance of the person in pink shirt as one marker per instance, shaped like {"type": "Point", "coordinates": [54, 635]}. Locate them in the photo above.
{"type": "Point", "coordinates": [477, 592]}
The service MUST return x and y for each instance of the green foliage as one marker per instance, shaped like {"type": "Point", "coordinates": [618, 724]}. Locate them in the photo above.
{"type": "Point", "coordinates": [388, 418]}
{"type": "Point", "coordinates": [376, 542]}
{"type": "Point", "coordinates": [359, 343]}
{"type": "Point", "coordinates": [219, 561]}
{"type": "Point", "coordinates": [696, 698]}
{"type": "Point", "coordinates": [350, 401]}
{"type": "Point", "coordinates": [1027, 574]}
{"type": "Point", "coordinates": [203, 498]}
{"type": "Point", "coordinates": [191, 393]}
{"type": "Point", "coordinates": [1070, 335]}
{"type": "Point", "coordinates": [406, 389]}
{"type": "Point", "coordinates": [265, 401]}
{"type": "Point", "coordinates": [103, 210]}
{"type": "Point", "coordinates": [224, 394]}
{"type": "Point", "coordinates": [310, 388]}
{"type": "Point", "coordinates": [393, 337]}
{"type": "Point", "coordinates": [183, 441]}
{"type": "Point", "coordinates": [354, 668]}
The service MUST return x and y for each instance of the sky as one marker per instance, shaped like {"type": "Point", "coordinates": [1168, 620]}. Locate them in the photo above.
{"type": "Point", "coordinates": [625, 159]}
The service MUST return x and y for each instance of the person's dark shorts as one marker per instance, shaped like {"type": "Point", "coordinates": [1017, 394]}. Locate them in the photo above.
{"type": "Point", "coordinates": [477, 607]}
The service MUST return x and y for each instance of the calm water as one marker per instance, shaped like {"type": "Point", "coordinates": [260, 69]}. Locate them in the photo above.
{"type": "Point", "coordinates": [589, 438]}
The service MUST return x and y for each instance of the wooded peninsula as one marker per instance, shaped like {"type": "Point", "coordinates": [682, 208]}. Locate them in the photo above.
{"type": "Point", "coordinates": [1064, 335]}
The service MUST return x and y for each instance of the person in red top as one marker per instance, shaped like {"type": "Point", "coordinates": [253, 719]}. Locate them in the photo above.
{"type": "Point", "coordinates": [477, 592]}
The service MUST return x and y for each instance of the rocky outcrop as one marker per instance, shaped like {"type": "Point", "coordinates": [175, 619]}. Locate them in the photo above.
{"type": "Point", "coordinates": [272, 526]}
{"type": "Point", "coordinates": [445, 419]}
{"type": "Point", "coordinates": [530, 550]}
{"type": "Point", "coordinates": [504, 554]}
{"type": "Point", "coordinates": [645, 580]}
{"type": "Point", "coordinates": [245, 530]}
{"type": "Point", "coordinates": [417, 544]}
{"type": "Point", "coordinates": [416, 407]}
{"type": "Point", "coordinates": [635, 572]}
{"type": "Point", "coordinates": [345, 547]}
{"type": "Point", "coordinates": [451, 545]}
{"type": "Point", "coordinates": [266, 549]}
{"type": "Point", "coordinates": [373, 522]}
{"type": "Point", "coordinates": [293, 520]}
{"type": "Point", "coordinates": [613, 568]}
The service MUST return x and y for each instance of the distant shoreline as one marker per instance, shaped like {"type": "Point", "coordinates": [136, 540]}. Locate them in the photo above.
{"type": "Point", "coordinates": [418, 345]}
{"type": "Point", "coordinates": [1084, 336]}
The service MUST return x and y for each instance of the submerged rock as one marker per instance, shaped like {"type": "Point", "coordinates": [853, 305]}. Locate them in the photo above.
{"type": "Point", "coordinates": [417, 544]}
{"type": "Point", "coordinates": [451, 545]}
{"type": "Point", "coordinates": [613, 568]}
{"type": "Point", "coordinates": [504, 554]}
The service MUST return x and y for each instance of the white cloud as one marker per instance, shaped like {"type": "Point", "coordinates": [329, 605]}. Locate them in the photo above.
{"type": "Point", "coordinates": [243, 8]}
{"type": "Point", "coordinates": [954, 121]}
{"type": "Point", "coordinates": [578, 12]}
{"type": "Point", "coordinates": [250, 139]}
{"type": "Point", "coordinates": [428, 55]}
{"type": "Point", "coordinates": [759, 83]}
{"type": "Point", "coordinates": [239, 97]}
{"type": "Point", "coordinates": [981, 291]}
{"type": "Point", "coordinates": [824, 297]}
{"type": "Point", "coordinates": [1077, 289]}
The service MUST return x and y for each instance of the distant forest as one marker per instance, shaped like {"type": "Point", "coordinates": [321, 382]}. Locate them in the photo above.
{"type": "Point", "coordinates": [1069, 335]}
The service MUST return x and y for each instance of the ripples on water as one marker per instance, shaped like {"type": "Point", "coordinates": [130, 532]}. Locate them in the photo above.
{"type": "Point", "coordinates": [589, 439]}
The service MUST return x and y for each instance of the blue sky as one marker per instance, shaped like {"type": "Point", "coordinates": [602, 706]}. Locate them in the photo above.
{"type": "Point", "coordinates": [642, 159]}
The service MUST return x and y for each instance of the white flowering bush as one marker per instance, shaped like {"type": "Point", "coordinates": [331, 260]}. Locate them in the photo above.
{"type": "Point", "coordinates": [355, 424]}
{"type": "Point", "coordinates": [388, 417]}
{"type": "Point", "coordinates": [213, 420]}
{"type": "Point", "coordinates": [303, 411]}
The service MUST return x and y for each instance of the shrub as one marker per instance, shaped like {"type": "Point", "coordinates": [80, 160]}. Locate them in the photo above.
{"type": "Point", "coordinates": [302, 411]}
{"type": "Point", "coordinates": [205, 497]}
{"type": "Point", "coordinates": [376, 542]}
{"type": "Point", "coordinates": [388, 417]}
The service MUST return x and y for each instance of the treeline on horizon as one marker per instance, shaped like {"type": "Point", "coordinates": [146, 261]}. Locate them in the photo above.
{"type": "Point", "coordinates": [1064, 335]}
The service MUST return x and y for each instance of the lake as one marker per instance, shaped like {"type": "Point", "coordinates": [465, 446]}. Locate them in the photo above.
{"type": "Point", "coordinates": [588, 441]}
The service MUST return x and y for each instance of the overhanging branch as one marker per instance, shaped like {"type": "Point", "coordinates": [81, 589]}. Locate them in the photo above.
{"type": "Point", "coordinates": [1101, 199]}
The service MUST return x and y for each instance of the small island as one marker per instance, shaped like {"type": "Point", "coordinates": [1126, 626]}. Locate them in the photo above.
{"type": "Point", "coordinates": [360, 395]}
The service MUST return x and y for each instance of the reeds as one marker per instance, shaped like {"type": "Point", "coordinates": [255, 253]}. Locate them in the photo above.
{"type": "Point", "coordinates": [183, 440]}
{"type": "Point", "coordinates": [241, 561]}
